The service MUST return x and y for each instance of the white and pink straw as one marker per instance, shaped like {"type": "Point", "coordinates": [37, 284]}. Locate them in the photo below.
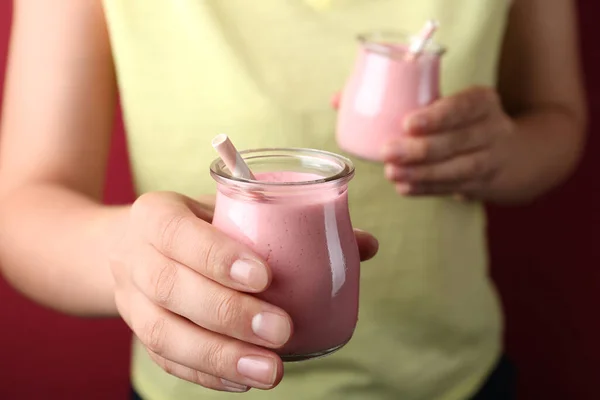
{"type": "Point", "coordinates": [418, 44]}
{"type": "Point", "coordinates": [231, 157]}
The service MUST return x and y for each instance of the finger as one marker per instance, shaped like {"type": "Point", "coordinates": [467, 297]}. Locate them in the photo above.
{"type": "Point", "coordinates": [368, 245]}
{"type": "Point", "coordinates": [208, 304]}
{"type": "Point", "coordinates": [424, 149]}
{"type": "Point", "coordinates": [207, 204]}
{"type": "Point", "coordinates": [122, 304]}
{"type": "Point", "coordinates": [452, 112]}
{"type": "Point", "coordinates": [335, 100]}
{"type": "Point", "coordinates": [461, 192]}
{"type": "Point", "coordinates": [180, 341]}
{"type": "Point", "coordinates": [174, 230]}
{"type": "Point", "coordinates": [427, 189]}
{"type": "Point", "coordinates": [200, 378]}
{"type": "Point", "coordinates": [472, 166]}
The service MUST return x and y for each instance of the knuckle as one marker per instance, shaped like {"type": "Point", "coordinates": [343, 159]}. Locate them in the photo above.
{"type": "Point", "coordinates": [489, 95]}
{"type": "Point", "coordinates": [210, 258]}
{"type": "Point", "coordinates": [199, 378]}
{"type": "Point", "coordinates": [216, 256]}
{"type": "Point", "coordinates": [205, 380]}
{"type": "Point", "coordinates": [228, 310]}
{"type": "Point", "coordinates": [156, 214]}
{"type": "Point", "coordinates": [167, 366]}
{"type": "Point", "coordinates": [165, 284]}
{"type": "Point", "coordinates": [153, 335]}
{"type": "Point", "coordinates": [213, 358]}
{"type": "Point", "coordinates": [144, 205]}
{"type": "Point", "coordinates": [163, 363]}
{"type": "Point", "coordinates": [169, 231]}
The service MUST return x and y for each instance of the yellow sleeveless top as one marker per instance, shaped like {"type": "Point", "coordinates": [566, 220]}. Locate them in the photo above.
{"type": "Point", "coordinates": [263, 71]}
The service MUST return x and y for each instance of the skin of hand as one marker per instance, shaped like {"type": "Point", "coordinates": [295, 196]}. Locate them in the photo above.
{"type": "Point", "coordinates": [185, 289]}
{"type": "Point", "coordinates": [458, 145]}
{"type": "Point", "coordinates": [56, 236]}
{"type": "Point", "coordinates": [507, 145]}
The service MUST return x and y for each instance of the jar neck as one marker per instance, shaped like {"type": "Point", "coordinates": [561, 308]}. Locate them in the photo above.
{"type": "Point", "coordinates": [286, 174]}
{"type": "Point", "coordinates": [395, 45]}
{"type": "Point", "coordinates": [307, 194]}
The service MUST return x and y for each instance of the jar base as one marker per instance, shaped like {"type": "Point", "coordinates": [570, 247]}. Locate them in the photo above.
{"type": "Point", "coordinates": [311, 356]}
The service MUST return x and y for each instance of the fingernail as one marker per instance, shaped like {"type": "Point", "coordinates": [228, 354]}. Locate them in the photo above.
{"type": "Point", "coordinates": [273, 328]}
{"type": "Point", "coordinates": [390, 172]}
{"type": "Point", "coordinates": [413, 123]}
{"type": "Point", "coordinates": [259, 369]}
{"type": "Point", "coordinates": [373, 242]}
{"type": "Point", "coordinates": [250, 273]}
{"type": "Point", "coordinates": [394, 173]}
{"type": "Point", "coordinates": [390, 153]}
{"type": "Point", "coordinates": [233, 387]}
{"type": "Point", "coordinates": [403, 188]}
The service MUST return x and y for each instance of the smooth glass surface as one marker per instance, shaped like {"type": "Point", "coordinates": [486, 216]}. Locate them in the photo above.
{"type": "Point", "coordinates": [296, 216]}
{"type": "Point", "coordinates": [384, 87]}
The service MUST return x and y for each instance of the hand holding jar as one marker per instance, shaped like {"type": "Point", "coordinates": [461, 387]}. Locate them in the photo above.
{"type": "Point", "coordinates": [394, 75]}
{"type": "Point", "coordinates": [215, 307]}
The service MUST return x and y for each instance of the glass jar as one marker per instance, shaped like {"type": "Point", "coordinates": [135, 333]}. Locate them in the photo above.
{"type": "Point", "coordinates": [296, 216]}
{"type": "Point", "coordinates": [385, 85]}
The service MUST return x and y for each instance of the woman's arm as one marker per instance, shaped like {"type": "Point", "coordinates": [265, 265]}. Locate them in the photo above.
{"type": "Point", "coordinates": [511, 147]}
{"type": "Point", "coordinates": [59, 103]}
{"type": "Point", "coordinates": [541, 88]}
{"type": "Point", "coordinates": [56, 239]}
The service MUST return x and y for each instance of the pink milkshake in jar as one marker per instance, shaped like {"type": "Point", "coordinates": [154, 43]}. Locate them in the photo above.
{"type": "Point", "coordinates": [387, 83]}
{"type": "Point", "coordinates": [295, 215]}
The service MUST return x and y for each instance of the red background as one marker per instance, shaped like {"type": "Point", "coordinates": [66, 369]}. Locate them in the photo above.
{"type": "Point", "coordinates": [544, 260]}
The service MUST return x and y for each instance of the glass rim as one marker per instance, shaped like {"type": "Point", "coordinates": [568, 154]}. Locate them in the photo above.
{"type": "Point", "coordinates": [372, 41]}
{"type": "Point", "coordinates": [346, 172]}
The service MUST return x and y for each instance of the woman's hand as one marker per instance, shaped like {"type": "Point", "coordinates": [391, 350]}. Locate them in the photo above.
{"type": "Point", "coordinates": [185, 289]}
{"type": "Point", "coordinates": [456, 146]}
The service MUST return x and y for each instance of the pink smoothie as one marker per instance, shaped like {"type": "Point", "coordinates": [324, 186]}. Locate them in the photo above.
{"type": "Point", "coordinates": [306, 237]}
{"type": "Point", "coordinates": [381, 91]}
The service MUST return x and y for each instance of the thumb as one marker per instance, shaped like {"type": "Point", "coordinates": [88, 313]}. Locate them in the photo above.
{"type": "Point", "coordinates": [368, 245]}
